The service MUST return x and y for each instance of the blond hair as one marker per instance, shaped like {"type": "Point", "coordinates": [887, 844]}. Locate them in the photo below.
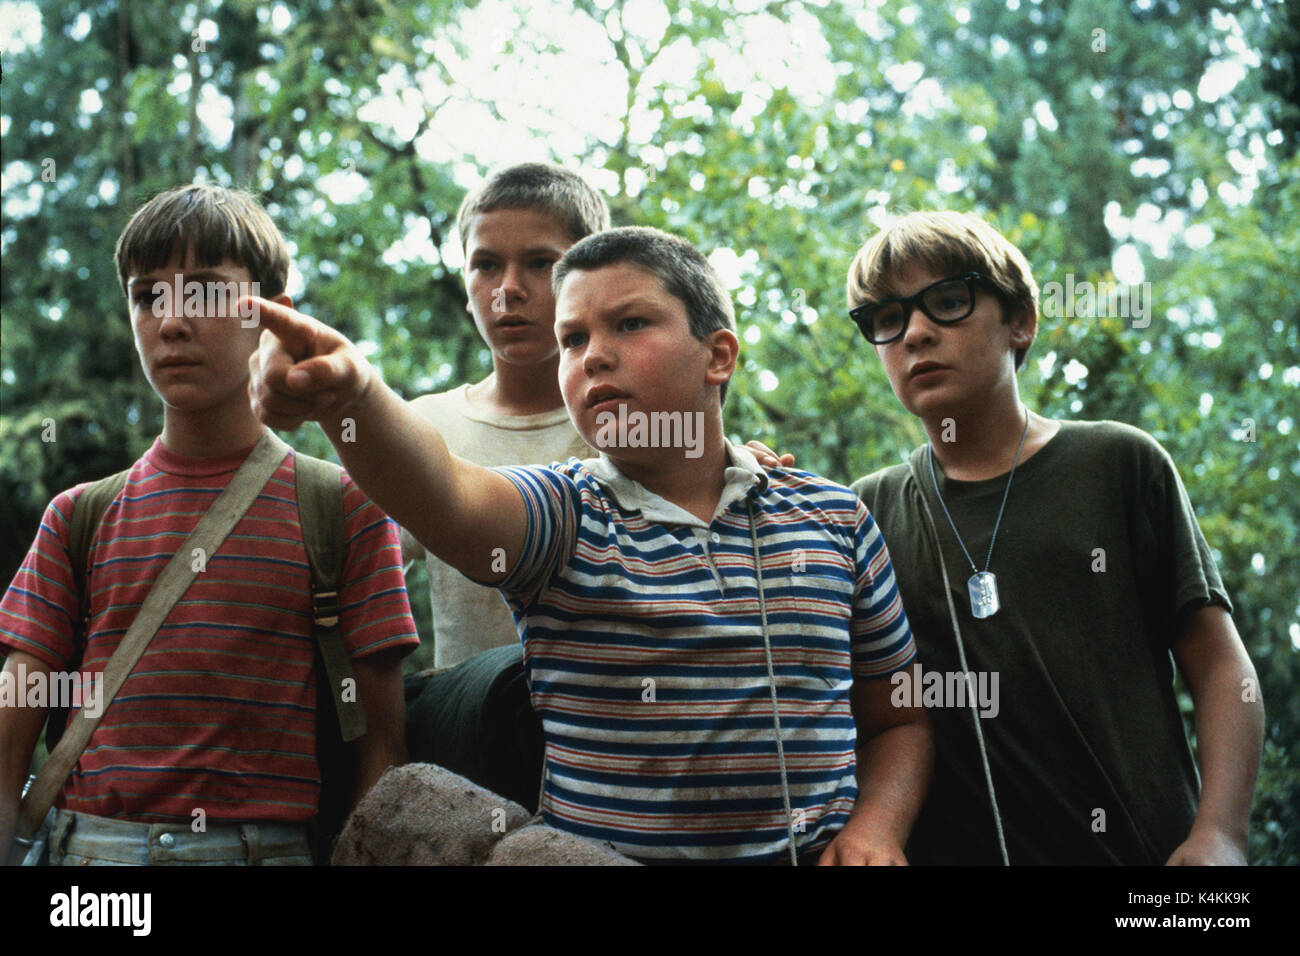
{"type": "Point", "coordinates": [945, 243]}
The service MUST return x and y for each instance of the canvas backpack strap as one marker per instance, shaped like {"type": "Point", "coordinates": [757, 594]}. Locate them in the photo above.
{"type": "Point", "coordinates": [176, 577]}
{"type": "Point", "coordinates": [87, 513]}
{"type": "Point", "coordinates": [320, 514]}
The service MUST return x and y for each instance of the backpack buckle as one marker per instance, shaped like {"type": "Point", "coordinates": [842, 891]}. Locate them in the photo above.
{"type": "Point", "coordinates": [325, 608]}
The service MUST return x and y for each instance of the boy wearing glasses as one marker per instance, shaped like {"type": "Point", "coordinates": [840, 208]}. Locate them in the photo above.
{"type": "Point", "coordinates": [1057, 563]}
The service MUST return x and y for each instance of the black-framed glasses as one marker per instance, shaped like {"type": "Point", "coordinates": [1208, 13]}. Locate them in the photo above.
{"type": "Point", "coordinates": [947, 302]}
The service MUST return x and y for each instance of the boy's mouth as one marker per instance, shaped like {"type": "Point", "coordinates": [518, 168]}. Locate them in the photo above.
{"type": "Point", "coordinates": [176, 361]}
{"type": "Point", "coordinates": [921, 368]}
{"type": "Point", "coordinates": [601, 394]}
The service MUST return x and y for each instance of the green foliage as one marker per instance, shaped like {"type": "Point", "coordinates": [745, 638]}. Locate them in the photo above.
{"type": "Point", "coordinates": [780, 156]}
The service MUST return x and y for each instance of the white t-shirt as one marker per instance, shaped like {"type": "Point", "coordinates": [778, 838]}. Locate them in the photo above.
{"type": "Point", "coordinates": [467, 617]}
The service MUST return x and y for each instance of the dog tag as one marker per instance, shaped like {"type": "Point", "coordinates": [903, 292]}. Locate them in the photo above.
{"type": "Point", "coordinates": [983, 594]}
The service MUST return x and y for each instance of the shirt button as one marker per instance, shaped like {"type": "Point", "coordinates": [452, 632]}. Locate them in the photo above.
{"type": "Point", "coordinates": [167, 840]}
{"type": "Point", "coordinates": [715, 537]}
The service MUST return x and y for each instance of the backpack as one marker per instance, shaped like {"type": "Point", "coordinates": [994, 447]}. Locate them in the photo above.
{"type": "Point", "coordinates": [339, 721]}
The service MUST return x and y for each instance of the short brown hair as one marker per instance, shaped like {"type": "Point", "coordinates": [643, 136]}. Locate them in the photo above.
{"type": "Point", "coordinates": [681, 269]}
{"type": "Point", "coordinates": [945, 243]}
{"type": "Point", "coordinates": [578, 207]}
{"type": "Point", "coordinates": [214, 224]}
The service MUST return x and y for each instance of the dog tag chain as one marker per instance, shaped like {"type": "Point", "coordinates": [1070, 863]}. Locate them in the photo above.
{"type": "Point", "coordinates": [982, 585]}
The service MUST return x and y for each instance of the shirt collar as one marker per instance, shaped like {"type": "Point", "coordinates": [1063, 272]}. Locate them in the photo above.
{"type": "Point", "coordinates": [743, 476]}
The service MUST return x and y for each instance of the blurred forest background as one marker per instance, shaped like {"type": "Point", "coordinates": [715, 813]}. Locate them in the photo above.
{"type": "Point", "coordinates": [1148, 141]}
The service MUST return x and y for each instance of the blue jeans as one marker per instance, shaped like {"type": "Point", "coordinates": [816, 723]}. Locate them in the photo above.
{"type": "Point", "coordinates": [79, 839]}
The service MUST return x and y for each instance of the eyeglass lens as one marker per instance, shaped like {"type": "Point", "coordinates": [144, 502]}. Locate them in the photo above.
{"type": "Point", "coordinates": [945, 301]}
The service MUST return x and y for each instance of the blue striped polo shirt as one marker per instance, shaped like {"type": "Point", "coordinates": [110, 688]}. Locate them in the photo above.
{"type": "Point", "coordinates": [643, 639]}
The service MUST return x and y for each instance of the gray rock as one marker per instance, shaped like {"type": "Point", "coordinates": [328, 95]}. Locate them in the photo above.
{"type": "Point", "coordinates": [540, 845]}
{"type": "Point", "coordinates": [423, 815]}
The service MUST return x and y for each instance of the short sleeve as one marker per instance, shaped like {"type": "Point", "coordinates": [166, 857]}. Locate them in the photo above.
{"type": "Point", "coordinates": [39, 611]}
{"type": "Point", "coordinates": [553, 505]}
{"type": "Point", "coordinates": [1191, 576]}
{"type": "Point", "coordinates": [881, 636]}
{"type": "Point", "coordinates": [374, 612]}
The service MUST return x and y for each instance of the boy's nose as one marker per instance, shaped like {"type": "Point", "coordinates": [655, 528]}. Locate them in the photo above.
{"type": "Point", "coordinates": [173, 324]}
{"type": "Point", "coordinates": [919, 327]}
{"type": "Point", "coordinates": [512, 281]}
{"type": "Point", "coordinates": [598, 356]}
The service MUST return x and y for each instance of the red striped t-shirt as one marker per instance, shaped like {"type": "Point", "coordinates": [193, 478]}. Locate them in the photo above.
{"type": "Point", "coordinates": [219, 713]}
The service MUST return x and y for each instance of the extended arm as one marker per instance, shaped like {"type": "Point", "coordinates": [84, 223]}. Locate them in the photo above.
{"type": "Point", "coordinates": [460, 511]}
{"type": "Point", "coordinates": [1229, 735]}
{"type": "Point", "coordinates": [895, 758]}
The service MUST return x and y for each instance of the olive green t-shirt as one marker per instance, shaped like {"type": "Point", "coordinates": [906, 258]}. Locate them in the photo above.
{"type": "Point", "coordinates": [1098, 553]}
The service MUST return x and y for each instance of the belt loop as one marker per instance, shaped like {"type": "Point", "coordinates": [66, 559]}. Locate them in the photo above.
{"type": "Point", "coordinates": [252, 837]}
{"type": "Point", "coordinates": [65, 821]}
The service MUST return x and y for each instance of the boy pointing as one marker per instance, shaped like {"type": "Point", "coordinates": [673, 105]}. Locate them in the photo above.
{"type": "Point", "coordinates": [704, 641]}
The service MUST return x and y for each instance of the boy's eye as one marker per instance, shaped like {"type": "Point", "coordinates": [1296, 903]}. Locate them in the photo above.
{"type": "Point", "coordinates": [543, 262]}
{"type": "Point", "coordinates": [632, 323]}
{"type": "Point", "coordinates": [572, 340]}
{"type": "Point", "coordinates": [483, 265]}
{"type": "Point", "coordinates": [145, 299]}
{"type": "Point", "coordinates": [887, 318]}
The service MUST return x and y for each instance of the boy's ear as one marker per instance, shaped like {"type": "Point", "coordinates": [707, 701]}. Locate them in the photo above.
{"type": "Point", "coordinates": [1023, 329]}
{"type": "Point", "coordinates": [723, 348]}
{"type": "Point", "coordinates": [283, 300]}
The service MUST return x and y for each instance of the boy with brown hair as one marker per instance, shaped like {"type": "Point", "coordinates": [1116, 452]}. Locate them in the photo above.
{"type": "Point", "coordinates": [513, 229]}
{"type": "Point", "coordinates": [475, 719]}
{"type": "Point", "coordinates": [704, 640]}
{"type": "Point", "coordinates": [208, 751]}
{"type": "Point", "coordinates": [1061, 559]}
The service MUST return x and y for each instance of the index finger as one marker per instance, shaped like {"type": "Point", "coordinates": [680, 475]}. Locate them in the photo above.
{"type": "Point", "coordinates": [297, 332]}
